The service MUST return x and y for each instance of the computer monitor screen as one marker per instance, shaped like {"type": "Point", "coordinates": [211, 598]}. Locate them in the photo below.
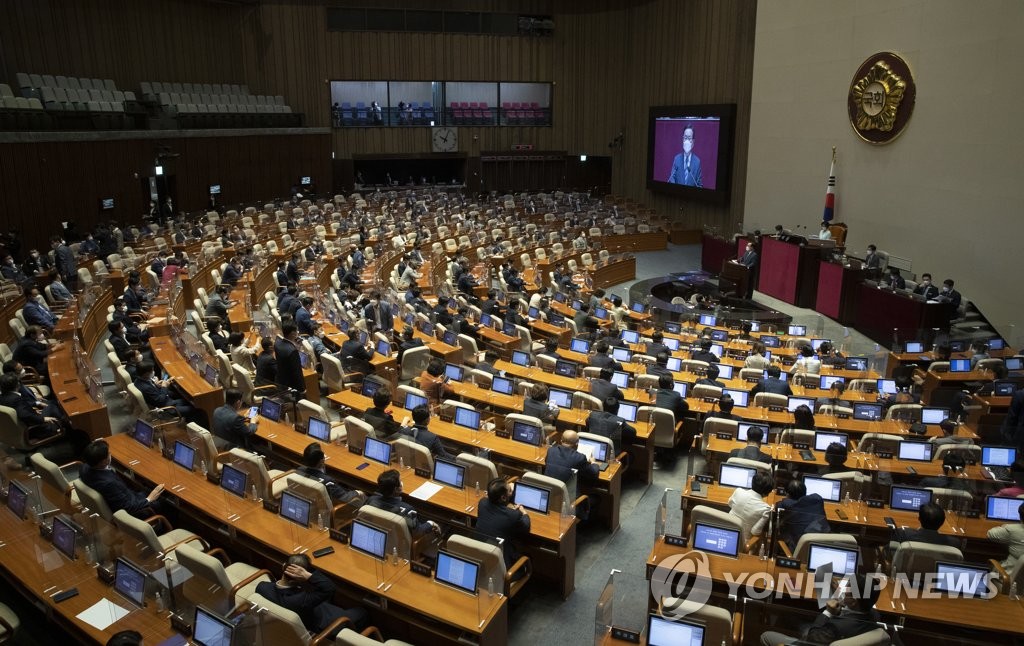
{"type": "Point", "coordinates": [797, 330]}
{"type": "Point", "coordinates": [630, 336]}
{"type": "Point", "coordinates": [565, 368]}
{"type": "Point", "coordinates": [306, 180]}
{"type": "Point", "coordinates": [457, 572]}
{"type": "Point", "coordinates": [1004, 388]}
{"type": "Point", "coordinates": [520, 358]}
{"type": "Point", "coordinates": [638, 308]}
{"type": "Point", "coordinates": [533, 313]}
{"type": "Point", "coordinates": [744, 427]}
{"type": "Point", "coordinates": [579, 345]}
{"type": "Point", "coordinates": [450, 473]}
{"type": "Point", "coordinates": [467, 418]}
{"type": "Point", "coordinates": [725, 371]}
{"type": "Point", "coordinates": [680, 387]}
{"type": "Point", "coordinates": [886, 386]}
{"type": "Point", "coordinates": [620, 379]}
{"type": "Point", "coordinates": [304, 360]}
{"type": "Point", "coordinates": [718, 540]}
{"type": "Point", "coordinates": [717, 350]}
{"type": "Point", "coordinates": [674, 364]}
{"type": "Point", "coordinates": [368, 539]}
{"type": "Point", "coordinates": [673, 632]}
{"type": "Point", "coordinates": [816, 343]}
{"type": "Point", "coordinates": [961, 579]}
{"type": "Point", "coordinates": [370, 388]}
{"type": "Point", "coordinates": [917, 451]}
{"type": "Point", "coordinates": [960, 365]}
{"type": "Point", "coordinates": [270, 409]}
{"type": "Point", "coordinates": [412, 400]}
{"type": "Point", "coordinates": [64, 536]}
{"type": "Point", "coordinates": [601, 313]}
{"type": "Point", "coordinates": [383, 348]}
{"type": "Point", "coordinates": [707, 319]}
{"type": "Point", "coordinates": [502, 385]}
{"type": "Point", "coordinates": [794, 403]}
{"type": "Point", "coordinates": [958, 346]}
{"type": "Point", "coordinates": [825, 381]}
{"type": "Point", "coordinates": [527, 433]}
{"type": "Point", "coordinates": [931, 415]}
{"type": "Point", "coordinates": [755, 326]}
{"type": "Point", "coordinates": [449, 338]}
{"type": "Point", "coordinates": [739, 397]}
{"type": "Point", "coordinates": [233, 480]}
{"type": "Point", "coordinates": [577, 304]}
{"type": "Point", "coordinates": [130, 582]}
{"type": "Point", "coordinates": [829, 490]}
{"type": "Point", "coordinates": [485, 320]}
{"type": "Point", "coordinates": [184, 455]}
{"type": "Point", "coordinates": [210, 374]}
{"type": "Point", "coordinates": [672, 327]}
{"type": "Point", "coordinates": [671, 344]}
{"type": "Point", "coordinates": [427, 328]}
{"type": "Point", "coordinates": [909, 498]}
{"type": "Point", "coordinates": [17, 499]}
{"type": "Point", "coordinates": [1001, 508]}
{"type": "Point", "coordinates": [318, 429]}
{"type": "Point", "coordinates": [770, 341]}
{"type": "Point", "coordinates": [719, 335]}
{"type": "Point", "coordinates": [143, 433]}
{"type": "Point", "coordinates": [560, 297]}
{"type": "Point", "coordinates": [531, 497]}
{"type": "Point", "coordinates": [1014, 363]}
{"type": "Point", "coordinates": [857, 363]}
{"type": "Point", "coordinates": [627, 411]}
{"type": "Point", "coordinates": [597, 449]}
{"type": "Point", "coordinates": [730, 475]}
{"type": "Point", "coordinates": [560, 398]}
{"type": "Point", "coordinates": [822, 440]}
{"type": "Point", "coordinates": [998, 456]}
{"type": "Point", "coordinates": [295, 508]}
{"type": "Point", "coordinates": [211, 630]}
{"type": "Point", "coordinates": [453, 371]}
{"type": "Point", "coordinates": [556, 319]}
{"type": "Point", "coordinates": [509, 328]}
{"type": "Point", "coordinates": [865, 411]}
{"type": "Point", "coordinates": [783, 376]}
{"type": "Point", "coordinates": [996, 344]}
{"type": "Point", "coordinates": [377, 450]}
{"type": "Point", "coordinates": [843, 560]}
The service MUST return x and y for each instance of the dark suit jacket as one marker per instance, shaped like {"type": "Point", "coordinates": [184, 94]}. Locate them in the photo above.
{"type": "Point", "coordinates": [289, 366]}
{"type": "Point", "coordinates": [387, 318]}
{"type": "Point", "coordinates": [231, 275]}
{"type": "Point", "coordinates": [709, 357]}
{"type": "Point", "coordinates": [751, 453]}
{"type": "Point", "coordinates": [802, 516]}
{"type": "Point", "coordinates": [396, 505]}
{"type": "Point", "coordinates": [24, 408]}
{"type": "Point", "coordinates": [36, 314]}
{"type": "Point", "coordinates": [355, 356]}
{"type": "Point", "coordinates": [928, 291]}
{"type": "Point", "coordinates": [924, 536]}
{"type": "Point", "coordinates": [611, 426]}
{"type": "Point", "coordinates": [771, 385]}
{"type": "Point", "coordinates": [115, 492]}
{"type": "Point", "coordinates": [337, 492]}
{"type": "Point", "coordinates": [121, 346]}
{"type": "Point", "coordinates": [65, 262]}
{"type": "Point", "coordinates": [561, 460]}
{"type": "Point", "coordinates": [231, 427]}
{"type": "Point", "coordinates": [671, 400]}
{"type": "Point", "coordinates": [603, 360]}
{"type": "Point", "coordinates": [307, 600]}
{"type": "Point", "coordinates": [466, 283]}
{"type": "Point", "coordinates": [495, 521]}
{"type": "Point", "coordinates": [132, 300]}
{"type": "Point", "coordinates": [155, 396]}
{"type": "Point", "coordinates": [383, 423]}
{"type": "Point", "coordinates": [540, 410]}
{"type": "Point", "coordinates": [266, 369]}
{"type": "Point", "coordinates": [422, 435]}
{"type": "Point", "coordinates": [303, 321]}
{"type": "Point", "coordinates": [602, 389]}
{"type": "Point", "coordinates": [653, 349]}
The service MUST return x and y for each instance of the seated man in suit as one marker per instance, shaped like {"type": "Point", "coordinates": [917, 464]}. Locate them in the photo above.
{"type": "Point", "coordinates": [710, 378]}
{"type": "Point", "coordinates": [752, 451]}
{"type": "Point", "coordinates": [926, 288]}
{"type": "Point", "coordinates": [498, 518]}
{"type": "Point", "coordinates": [28, 409]}
{"type": "Point", "coordinates": [379, 417]}
{"type": "Point", "coordinates": [266, 364]}
{"type": "Point", "coordinates": [601, 358]}
{"type": "Point", "coordinates": [666, 397]}
{"type": "Point", "coordinates": [834, 398]}
{"type": "Point", "coordinates": [288, 301]}
{"type": "Point", "coordinates": [490, 305]}
{"type": "Point", "coordinates": [835, 459]}
{"type": "Point", "coordinates": [389, 498]}
{"type": "Point", "coordinates": [802, 513]}
{"type": "Point", "coordinates": [309, 593]}
{"type": "Point", "coordinates": [35, 313]}
{"type": "Point", "coordinates": [660, 366]}
{"type": "Point", "coordinates": [119, 339]}
{"type": "Point", "coordinates": [551, 349]}
{"type": "Point", "coordinates": [355, 356]}
{"type": "Point", "coordinates": [537, 406]}
{"type": "Point", "coordinates": [949, 295]}
{"type": "Point", "coordinates": [749, 506]}
{"type": "Point", "coordinates": [313, 464]}
{"type": "Point", "coordinates": [303, 318]}
{"type": "Point", "coordinates": [656, 345]}
{"type": "Point", "coordinates": [233, 272]}
{"type": "Point", "coordinates": [724, 409]}
{"type": "Point", "coordinates": [563, 458]}
{"type": "Point", "coordinates": [158, 394]}
{"type": "Point", "coordinates": [840, 620]}
{"type": "Point", "coordinates": [586, 324]}
{"type": "Point", "coordinates": [893, 279]}
{"type": "Point", "coordinates": [872, 261]}
{"type": "Point", "coordinates": [135, 332]}
{"type": "Point", "coordinates": [421, 433]}
{"type": "Point", "coordinates": [603, 388]}
{"type": "Point", "coordinates": [608, 424]}
{"type": "Point", "coordinates": [772, 384]}
{"type": "Point", "coordinates": [705, 353]}
{"type": "Point", "coordinates": [97, 474]}
{"type": "Point", "coordinates": [931, 517]}
{"type": "Point", "coordinates": [219, 303]}
{"type": "Point", "coordinates": [230, 427]}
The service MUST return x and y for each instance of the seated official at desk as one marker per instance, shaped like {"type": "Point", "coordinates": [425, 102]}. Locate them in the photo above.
{"type": "Point", "coordinates": [723, 409]}
{"type": "Point", "coordinates": [218, 336]}
{"type": "Point", "coordinates": [303, 318]}
{"type": "Point", "coordinates": [835, 459]}
{"type": "Point", "coordinates": [498, 518]}
{"type": "Point", "coordinates": [607, 423]}
{"type": "Point", "coordinates": [32, 393]}
{"type": "Point", "coordinates": [949, 436]}
{"type": "Point", "coordinates": [1011, 535]}
{"type": "Point", "coordinates": [752, 451]}
{"type": "Point", "coordinates": [313, 467]}
{"type": "Point", "coordinates": [408, 341]}
{"type": "Point", "coordinates": [840, 620]}
{"type": "Point", "coordinates": [603, 388]}
{"type": "Point", "coordinates": [710, 378]}
{"type": "Point", "coordinates": [433, 381]}
{"type": "Point", "coordinates": [158, 395]}
{"type": "Point", "coordinates": [660, 365]}
{"type": "Point", "coordinates": [135, 332]}
{"type": "Point", "coordinates": [379, 417]}
{"type": "Point", "coordinates": [953, 465]}
{"type": "Point", "coordinates": [219, 303]}
{"type": "Point", "coordinates": [119, 340]}
{"type": "Point", "coordinates": [27, 409]}
{"type": "Point", "coordinates": [308, 594]}
{"type": "Point", "coordinates": [871, 259]}
{"type": "Point", "coordinates": [58, 291]}
{"type": "Point", "coordinates": [926, 288]}
{"type": "Point", "coordinates": [421, 433]}
{"type": "Point", "coordinates": [563, 458]}
{"type": "Point", "coordinates": [772, 384]}
{"type": "Point", "coordinates": [807, 364]}
{"type": "Point", "coordinates": [288, 301]}
{"type": "Point", "coordinates": [669, 399]}
{"type": "Point", "coordinates": [233, 272]}
{"type": "Point", "coordinates": [749, 506]}
{"type": "Point", "coordinates": [931, 517]}
{"type": "Point", "coordinates": [230, 427]}
{"type": "Point", "coordinates": [97, 474]}
{"type": "Point", "coordinates": [893, 280]}
{"type": "Point", "coordinates": [536, 404]}
{"type": "Point", "coordinates": [656, 345]}
{"type": "Point", "coordinates": [757, 358]}
{"type": "Point", "coordinates": [551, 350]}
{"type": "Point", "coordinates": [705, 354]}
{"type": "Point", "coordinates": [35, 313]}
{"type": "Point", "coordinates": [834, 398]}
{"type": "Point", "coordinates": [601, 359]}
{"type": "Point", "coordinates": [355, 356]}
{"type": "Point", "coordinates": [389, 498]}
{"type": "Point", "coordinates": [802, 513]}
{"type": "Point", "coordinates": [31, 350]}
{"type": "Point", "coordinates": [803, 418]}
{"type": "Point", "coordinates": [1017, 473]}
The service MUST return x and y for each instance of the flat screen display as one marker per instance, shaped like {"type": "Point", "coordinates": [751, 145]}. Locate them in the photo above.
{"type": "Point", "coordinates": [233, 480]}
{"type": "Point", "coordinates": [934, 415]}
{"type": "Point", "coordinates": [731, 475]}
{"type": "Point", "coordinates": [377, 450]}
{"type": "Point", "coordinates": [627, 411]}
{"type": "Point", "coordinates": [295, 508]}
{"type": "Point", "coordinates": [718, 540]}
{"type": "Point", "coordinates": [211, 630]}
{"type": "Point", "coordinates": [580, 345]}
{"type": "Point", "coordinates": [822, 440]}
{"type": "Point", "coordinates": [909, 498]}
{"type": "Point", "coordinates": [527, 433]}
{"type": "Point", "coordinates": [270, 409]}
{"type": "Point", "coordinates": [143, 433]}
{"type": "Point", "coordinates": [318, 429]}
{"type": "Point", "coordinates": [829, 490]}
{"type": "Point", "coordinates": [869, 412]}
{"type": "Point", "coordinates": [560, 398]}
{"type": "Point", "coordinates": [214, 189]}
{"type": "Point", "coordinates": [457, 572]}
{"type": "Point", "coordinates": [531, 497]}
{"type": "Point", "coordinates": [184, 455]}
{"type": "Point", "coordinates": [620, 379]}
{"type": "Point", "coordinates": [453, 371]}
{"type": "Point", "coordinates": [739, 397]}
{"type": "Point", "coordinates": [467, 418]}
{"type": "Point", "coordinates": [842, 560]}
{"type": "Point", "coordinates": [674, 632]}
{"type": "Point", "coordinates": [520, 358]}
{"type": "Point", "coordinates": [794, 403]}
{"type": "Point", "coordinates": [368, 539]}
{"type": "Point", "coordinates": [130, 582]}
{"type": "Point", "coordinates": [916, 451]}
{"type": "Point", "coordinates": [450, 473]}
{"type": "Point", "coordinates": [998, 456]}
{"type": "Point", "coordinates": [744, 427]}
{"type": "Point", "coordinates": [1000, 508]}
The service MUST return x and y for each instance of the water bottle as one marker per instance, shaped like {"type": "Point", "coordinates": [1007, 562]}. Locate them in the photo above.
{"type": "Point", "coordinates": [1013, 592]}
{"type": "Point", "coordinates": [320, 522]}
{"type": "Point", "coordinates": [394, 555]}
{"type": "Point", "coordinates": [160, 443]}
{"type": "Point", "coordinates": [763, 554]}
{"type": "Point", "coordinates": [490, 586]}
{"type": "Point", "coordinates": [159, 601]}
{"type": "Point", "coordinates": [255, 495]}
{"type": "Point", "coordinates": [203, 468]}
{"type": "Point", "coordinates": [846, 500]}
{"type": "Point", "coordinates": [477, 489]}
{"type": "Point", "coordinates": [401, 462]}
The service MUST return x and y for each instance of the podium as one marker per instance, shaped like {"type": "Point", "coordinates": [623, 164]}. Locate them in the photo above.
{"type": "Point", "coordinates": [735, 278]}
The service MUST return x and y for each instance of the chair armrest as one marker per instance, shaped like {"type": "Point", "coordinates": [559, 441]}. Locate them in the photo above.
{"type": "Point", "coordinates": [751, 543]}
{"type": "Point", "coordinates": [189, 539]}
{"type": "Point", "coordinates": [286, 473]}
{"type": "Point", "coordinates": [321, 637]}
{"type": "Point", "coordinates": [157, 518]}
{"type": "Point", "coordinates": [737, 627]}
{"type": "Point", "coordinates": [268, 387]}
{"type": "Point", "coordinates": [522, 564]}
{"type": "Point", "coordinates": [1004, 576]}
{"type": "Point", "coordinates": [622, 457]}
{"type": "Point", "coordinates": [579, 501]}
{"type": "Point", "coordinates": [68, 465]}
{"type": "Point", "coordinates": [39, 442]}
{"type": "Point", "coordinates": [247, 580]}
{"type": "Point", "coordinates": [373, 633]}
{"type": "Point", "coordinates": [785, 549]}
{"type": "Point", "coordinates": [220, 554]}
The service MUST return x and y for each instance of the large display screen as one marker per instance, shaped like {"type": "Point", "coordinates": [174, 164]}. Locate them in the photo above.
{"type": "Point", "coordinates": [690, 150]}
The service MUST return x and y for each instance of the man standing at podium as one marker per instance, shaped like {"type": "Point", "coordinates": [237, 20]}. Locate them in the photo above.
{"type": "Point", "coordinates": [749, 260]}
{"type": "Point", "coordinates": [686, 165]}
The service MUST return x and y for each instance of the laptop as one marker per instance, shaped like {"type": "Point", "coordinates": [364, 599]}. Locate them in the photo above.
{"type": "Point", "coordinates": [794, 403]}
{"type": "Point", "coordinates": [998, 456]}
{"type": "Point", "coordinates": [502, 385]}
{"type": "Point", "coordinates": [485, 320]}
{"type": "Point", "coordinates": [674, 364]}
{"type": "Point", "coordinates": [770, 341]}
{"type": "Point", "coordinates": [210, 629]}
{"type": "Point", "coordinates": [630, 336]}
{"type": "Point", "coordinates": [744, 427]}
{"type": "Point", "coordinates": [65, 536]}
{"type": "Point", "coordinates": [1000, 508]}
{"type": "Point", "coordinates": [739, 397]}
{"type": "Point", "coordinates": [825, 381]}
{"type": "Point", "coordinates": [717, 540]}
{"type": "Point", "coordinates": [822, 440]}
{"type": "Point", "coordinates": [931, 415]}
{"type": "Point", "coordinates": [560, 297]}
{"type": "Point", "coordinates": [130, 581]}
{"type": "Point", "coordinates": [842, 559]}
{"type": "Point", "coordinates": [1004, 388]}
{"type": "Point", "coordinates": [577, 304]}
{"type": "Point", "coordinates": [717, 350]}
{"type": "Point", "coordinates": [580, 345]}
{"type": "Point", "coordinates": [909, 498]}
{"type": "Point", "coordinates": [638, 308]}
{"type": "Point", "coordinates": [233, 479]}
{"type": "Point", "coordinates": [886, 386]}
{"type": "Point", "coordinates": [527, 433]}
{"type": "Point", "coordinates": [450, 473]}
{"type": "Point", "coordinates": [867, 411]}
{"type": "Point", "coordinates": [270, 409]}
{"type": "Point", "coordinates": [627, 411]}
{"type": "Point", "coordinates": [453, 372]}
{"type": "Point", "coordinates": [996, 344]}
{"type": "Point", "coordinates": [731, 475]}
{"type": "Point", "coordinates": [914, 347]}
{"type": "Point", "coordinates": [857, 363]}
{"type": "Point", "coordinates": [556, 319]}
{"type": "Point", "coordinates": [370, 388]}
{"type": "Point", "coordinates": [725, 371]}
{"type": "Point", "coordinates": [467, 418]}
{"type": "Point", "coordinates": [383, 348]}
{"type": "Point", "coordinates": [601, 313]}
{"type": "Point", "coordinates": [143, 433]}
{"type": "Point", "coordinates": [184, 455]}
{"type": "Point", "coordinates": [533, 313]}
{"type": "Point", "coordinates": [672, 327]}
{"type": "Point", "coordinates": [673, 632]}
{"type": "Point", "coordinates": [680, 387]}
{"type": "Point", "coordinates": [368, 539]}
{"type": "Point", "coordinates": [560, 398]}
{"type": "Point", "coordinates": [427, 328]}
{"type": "Point", "coordinates": [719, 335]}
{"type": "Point", "coordinates": [412, 400]}
{"type": "Point", "coordinates": [520, 358]}
{"type": "Point", "coordinates": [915, 451]}
{"type": "Point", "coordinates": [829, 490]}
{"type": "Point", "coordinates": [593, 449]}
{"type": "Point", "coordinates": [671, 344]}
{"type": "Point", "coordinates": [963, 580]}
{"type": "Point", "coordinates": [296, 508]}
{"type": "Point", "coordinates": [707, 319]}
{"type": "Point", "coordinates": [457, 572]}
{"type": "Point", "coordinates": [622, 354]}
{"type": "Point", "coordinates": [318, 429]}
{"type": "Point", "coordinates": [509, 329]}
{"type": "Point", "coordinates": [620, 379]}
{"type": "Point", "coordinates": [531, 496]}
{"type": "Point", "coordinates": [565, 368]}
{"type": "Point", "coordinates": [960, 365]}
{"type": "Point", "coordinates": [210, 374]}
{"type": "Point", "coordinates": [797, 330]}
{"type": "Point", "coordinates": [376, 450]}
{"type": "Point", "coordinates": [449, 338]}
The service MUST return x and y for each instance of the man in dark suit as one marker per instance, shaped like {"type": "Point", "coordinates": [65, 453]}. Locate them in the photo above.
{"type": "Point", "coordinates": [490, 305]}
{"type": "Point", "coordinates": [292, 270]}
{"type": "Point", "coordinates": [608, 424]}
{"type": "Point", "coordinates": [563, 458]}
{"type": "Point", "coordinates": [710, 378]}
{"type": "Point", "coordinates": [266, 364]}
{"type": "Point", "coordinates": [229, 426]}
{"type": "Point", "coordinates": [840, 620]}
{"type": "Point", "coordinates": [749, 258]}
{"type": "Point", "coordinates": [288, 302]}
{"type": "Point", "coordinates": [309, 594]}
{"type": "Point", "coordinates": [603, 388]}
{"type": "Point", "coordinates": [656, 345]}
{"type": "Point", "coordinates": [669, 399]}
{"type": "Point", "coordinates": [422, 434]}
{"type": "Point", "coordinates": [219, 303]}
{"type": "Point", "coordinates": [64, 260]}
{"type": "Point", "coordinates": [894, 280]}
{"type": "Point", "coordinates": [705, 353]}
{"type": "Point", "coordinates": [158, 265]}
{"type": "Point", "coordinates": [134, 332]}
{"type": "Point", "coordinates": [131, 296]}
{"type": "Point", "coordinates": [303, 319]}
{"type": "Point", "coordinates": [289, 365]}
{"type": "Point", "coordinates": [802, 513]}
{"type": "Point", "coordinates": [601, 358]}
{"type": "Point", "coordinates": [379, 417]}
{"type": "Point", "coordinates": [926, 288]}
{"type": "Point", "coordinates": [389, 498]}
{"type": "Point", "coordinates": [313, 465]}
{"type": "Point", "coordinates": [752, 451]}
{"type": "Point", "coordinates": [498, 518]}
{"type": "Point", "coordinates": [950, 295]}
{"type": "Point", "coordinates": [119, 339]}
{"type": "Point", "coordinates": [773, 384]}
{"type": "Point", "coordinates": [282, 275]}
{"type": "Point", "coordinates": [660, 365]}
{"type": "Point", "coordinates": [536, 405]}
{"type": "Point", "coordinates": [378, 314]}
{"type": "Point", "coordinates": [931, 517]}
{"type": "Point", "coordinates": [466, 283]}
{"type": "Point", "coordinates": [872, 261]}
{"type": "Point", "coordinates": [158, 395]}
{"type": "Point", "coordinates": [686, 165]}
{"type": "Point", "coordinates": [233, 272]}
{"type": "Point", "coordinates": [35, 313]}
{"type": "Point", "coordinates": [27, 409]}
{"type": "Point", "coordinates": [97, 474]}
{"type": "Point", "coordinates": [355, 357]}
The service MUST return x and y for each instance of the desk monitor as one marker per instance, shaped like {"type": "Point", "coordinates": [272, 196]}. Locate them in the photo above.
{"type": "Point", "coordinates": [560, 398]}
{"type": "Point", "coordinates": [509, 329]}
{"type": "Point", "coordinates": [143, 433]}
{"type": "Point", "coordinates": [770, 341]}
{"type": "Point", "coordinates": [744, 427]}
{"type": "Point", "coordinates": [383, 348]}
{"type": "Point", "coordinates": [467, 417]}
{"type": "Point", "coordinates": [829, 490]}
{"type": "Point", "coordinates": [363, 336]}
{"type": "Point", "coordinates": [719, 335]}
{"type": "Point", "coordinates": [886, 386]}
{"type": "Point", "coordinates": [453, 371]}
{"type": "Point", "coordinates": [930, 415]}
{"type": "Point", "coordinates": [376, 450]}
{"type": "Point", "coordinates": [270, 409]}
{"type": "Point", "coordinates": [449, 473]}
{"type": "Point", "coordinates": [672, 327]}
{"type": "Point", "coordinates": [671, 344]}
{"type": "Point", "coordinates": [598, 449]}
{"type": "Point", "coordinates": [533, 313]}
{"type": "Point", "coordinates": [996, 344]}
{"type": "Point", "coordinates": [638, 308]}
{"type": "Point", "coordinates": [130, 581]}
{"type": "Point", "coordinates": [210, 629]}
{"type": "Point", "coordinates": [794, 403]}
{"type": "Point", "coordinates": [233, 479]}
{"type": "Point", "coordinates": [725, 371]}
{"type": "Point", "coordinates": [960, 365]}
{"type": "Point", "coordinates": [580, 345]}
{"type": "Point", "coordinates": [620, 379]}
{"type": "Point", "coordinates": [717, 349]}
{"type": "Point", "coordinates": [867, 411]}
{"type": "Point", "coordinates": [783, 376]}
{"type": "Point", "coordinates": [825, 381]}
{"type": "Point", "coordinates": [556, 319]}
{"type": "Point", "coordinates": [531, 496]}
{"type": "Point", "coordinates": [17, 499]}
{"type": "Point", "coordinates": [370, 388]}
{"type": "Point", "coordinates": [627, 411]}
{"type": "Point", "coordinates": [731, 475]}
{"type": "Point", "coordinates": [673, 632]}
{"type": "Point", "coordinates": [998, 456]}
{"type": "Point", "coordinates": [707, 319]}
{"type": "Point", "coordinates": [565, 368]}
{"type": "Point", "coordinates": [560, 297]}
{"type": "Point", "coordinates": [680, 387]}
{"type": "Point", "coordinates": [962, 579]}
{"type": "Point", "coordinates": [857, 363]}
{"type": "Point", "coordinates": [914, 347]}
{"type": "Point", "coordinates": [916, 451]}
{"type": "Point", "coordinates": [822, 440]}
{"type": "Point", "coordinates": [210, 374]}
{"type": "Point", "coordinates": [412, 400]}
{"type": "Point", "coordinates": [184, 455]}
{"type": "Point", "coordinates": [65, 536]}
{"type": "Point", "coordinates": [622, 354]}
{"type": "Point", "coordinates": [1001, 508]}
{"type": "Point", "coordinates": [740, 398]}
{"type": "Point", "coordinates": [485, 320]}
{"type": "Point", "coordinates": [1014, 363]}
{"type": "Point", "coordinates": [630, 336]}
{"type": "Point", "coordinates": [909, 498]}
{"type": "Point", "coordinates": [296, 508]}
{"type": "Point", "coordinates": [368, 539]}
{"type": "Point", "coordinates": [577, 304]}
{"type": "Point", "coordinates": [717, 540]}
{"type": "Point", "coordinates": [457, 572]}
{"type": "Point", "coordinates": [502, 385]}
{"type": "Point", "coordinates": [958, 346]}
{"type": "Point", "coordinates": [318, 429]}
{"type": "Point", "coordinates": [842, 559]}
{"type": "Point", "coordinates": [521, 358]}
{"type": "Point", "coordinates": [449, 338]}
{"type": "Point", "coordinates": [797, 330]}
{"type": "Point", "coordinates": [601, 313]}
{"type": "Point", "coordinates": [816, 343]}
{"type": "Point", "coordinates": [1004, 388]}
{"type": "Point", "coordinates": [304, 360]}
{"type": "Point", "coordinates": [674, 364]}
{"type": "Point", "coordinates": [527, 433]}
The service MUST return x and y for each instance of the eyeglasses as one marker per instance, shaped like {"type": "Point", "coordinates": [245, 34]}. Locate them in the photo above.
{"type": "Point", "coordinates": [687, 137]}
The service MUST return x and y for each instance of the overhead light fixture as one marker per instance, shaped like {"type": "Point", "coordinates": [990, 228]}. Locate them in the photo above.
{"type": "Point", "coordinates": [159, 170]}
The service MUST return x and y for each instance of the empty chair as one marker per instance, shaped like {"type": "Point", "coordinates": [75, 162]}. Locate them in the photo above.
{"type": "Point", "coordinates": [215, 585]}
{"type": "Point", "coordinates": [144, 533]}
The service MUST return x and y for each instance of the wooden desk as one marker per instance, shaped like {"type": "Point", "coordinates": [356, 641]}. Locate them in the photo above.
{"type": "Point", "coordinates": [73, 395]}
{"type": "Point", "coordinates": [837, 290]}
{"type": "Point", "coordinates": [789, 272]}
{"type": "Point", "coordinates": [714, 251]}
{"type": "Point", "coordinates": [879, 311]}
{"type": "Point", "coordinates": [613, 273]}
{"type": "Point", "coordinates": [198, 390]}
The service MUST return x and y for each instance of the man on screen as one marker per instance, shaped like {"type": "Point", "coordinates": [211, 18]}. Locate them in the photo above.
{"type": "Point", "coordinates": [686, 165]}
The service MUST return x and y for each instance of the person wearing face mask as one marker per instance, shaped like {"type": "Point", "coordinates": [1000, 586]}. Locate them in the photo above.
{"type": "Point", "coordinates": [65, 262]}
{"type": "Point", "coordinates": [31, 350]}
{"type": "Point", "coordinates": [157, 394]}
{"type": "Point", "coordinates": [378, 314]}
{"type": "Point", "coordinates": [119, 340]}
{"type": "Point", "coordinates": [89, 246]}
{"type": "Point", "coordinates": [35, 264]}
{"type": "Point", "coordinates": [686, 165]}
{"type": "Point", "coordinates": [35, 313]}
{"type": "Point", "coordinates": [926, 288]}
{"type": "Point", "coordinates": [135, 332]}
{"type": "Point", "coordinates": [58, 292]}
{"type": "Point", "coordinates": [949, 295]}
{"type": "Point", "coordinates": [871, 259]}
{"type": "Point", "coordinates": [289, 364]}
{"type": "Point", "coordinates": [11, 271]}
{"type": "Point", "coordinates": [303, 318]}
{"type": "Point", "coordinates": [39, 426]}
{"type": "Point", "coordinates": [824, 233]}
{"type": "Point", "coordinates": [97, 474]}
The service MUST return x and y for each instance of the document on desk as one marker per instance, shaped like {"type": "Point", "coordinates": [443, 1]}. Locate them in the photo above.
{"type": "Point", "coordinates": [426, 491]}
{"type": "Point", "coordinates": [102, 614]}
